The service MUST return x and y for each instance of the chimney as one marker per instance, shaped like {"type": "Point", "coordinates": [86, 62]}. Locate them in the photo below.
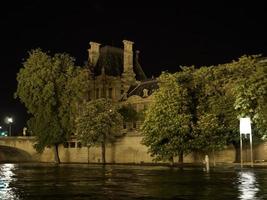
{"type": "Point", "coordinates": [93, 53]}
{"type": "Point", "coordinates": [128, 75]}
{"type": "Point", "coordinates": [128, 56]}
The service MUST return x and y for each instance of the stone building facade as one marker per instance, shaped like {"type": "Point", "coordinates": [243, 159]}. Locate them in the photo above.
{"type": "Point", "coordinates": [116, 73]}
{"type": "Point", "coordinates": [113, 70]}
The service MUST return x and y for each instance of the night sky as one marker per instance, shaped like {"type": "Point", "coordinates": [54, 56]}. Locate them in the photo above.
{"type": "Point", "coordinates": [167, 36]}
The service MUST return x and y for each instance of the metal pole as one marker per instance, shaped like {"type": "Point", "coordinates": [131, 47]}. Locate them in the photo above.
{"type": "Point", "coordinates": [10, 129]}
{"type": "Point", "coordinates": [251, 151]}
{"type": "Point", "coordinates": [241, 154]}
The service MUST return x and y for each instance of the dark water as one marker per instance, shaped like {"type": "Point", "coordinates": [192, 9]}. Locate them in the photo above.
{"type": "Point", "coordinates": [38, 181]}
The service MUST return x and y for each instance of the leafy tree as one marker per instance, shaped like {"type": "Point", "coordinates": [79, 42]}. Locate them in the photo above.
{"type": "Point", "coordinates": [251, 95]}
{"type": "Point", "coordinates": [209, 129]}
{"type": "Point", "coordinates": [168, 124]}
{"type": "Point", "coordinates": [50, 88]}
{"type": "Point", "coordinates": [232, 94]}
{"type": "Point", "coordinates": [232, 77]}
{"type": "Point", "coordinates": [98, 123]}
{"type": "Point", "coordinates": [208, 102]}
{"type": "Point", "coordinates": [128, 112]}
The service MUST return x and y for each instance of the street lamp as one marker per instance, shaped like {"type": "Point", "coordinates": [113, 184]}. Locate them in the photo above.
{"type": "Point", "coordinates": [245, 128]}
{"type": "Point", "coordinates": [9, 121]}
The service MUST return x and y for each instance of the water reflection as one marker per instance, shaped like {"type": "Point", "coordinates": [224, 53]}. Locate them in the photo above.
{"type": "Point", "coordinates": [43, 181]}
{"type": "Point", "coordinates": [6, 177]}
{"type": "Point", "coordinates": [247, 186]}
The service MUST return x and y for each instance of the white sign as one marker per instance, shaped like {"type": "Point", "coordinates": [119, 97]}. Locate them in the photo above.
{"type": "Point", "coordinates": [245, 125]}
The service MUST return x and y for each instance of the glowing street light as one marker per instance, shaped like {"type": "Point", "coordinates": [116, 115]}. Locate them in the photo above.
{"type": "Point", "coordinates": [9, 121]}
{"type": "Point", "coordinates": [245, 128]}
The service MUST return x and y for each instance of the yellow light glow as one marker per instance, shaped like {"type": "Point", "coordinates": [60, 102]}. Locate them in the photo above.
{"type": "Point", "coordinates": [248, 186]}
{"type": "Point", "coordinates": [6, 177]}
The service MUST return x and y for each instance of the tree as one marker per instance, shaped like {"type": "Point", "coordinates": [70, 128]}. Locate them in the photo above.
{"type": "Point", "coordinates": [98, 123]}
{"type": "Point", "coordinates": [168, 126]}
{"type": "Point", "coordinates": [128, 113]}
{"type": "Point", "coordinates": [251, 95]}
{"type": "Point", "coordinates": [209, 128]}
{"type": "Point", "coordinates": [232, 77]}
{"type": "Point", "coordinates": [208, 103]}
{"type": "Point", "coordinates": [50, 88]}
{"type": "Point", "coordinates": [231, 94]}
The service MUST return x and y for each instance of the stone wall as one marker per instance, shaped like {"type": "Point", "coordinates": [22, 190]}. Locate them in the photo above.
{"type": "Point", "coordinates": [127, 149]}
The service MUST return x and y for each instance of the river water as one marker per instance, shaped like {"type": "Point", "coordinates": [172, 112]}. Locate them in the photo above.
{"type": "Point", "coordinates": [74, 181]}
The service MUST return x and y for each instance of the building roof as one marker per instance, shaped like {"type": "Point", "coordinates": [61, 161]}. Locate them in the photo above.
{"type": "Point", "coordinates": [150, 85]}
{"type": "Point", "coordinates": [111, 58]}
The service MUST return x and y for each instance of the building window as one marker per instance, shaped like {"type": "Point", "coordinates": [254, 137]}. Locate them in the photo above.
{"type": "Point", "coordinates": [134, 124]}
{"type": "Point", "coordinates": [79, 145]}
{"type": "Point", "coordinates": [89, 95]}
{"type": "Point", "coordinates": [97, 93]}
{"type": "Point", "coordinates": [72, 144]}
{"type": "Point", "coordinates": [104, 93]}
{"type": "Point", "coordinates": [110, 93]}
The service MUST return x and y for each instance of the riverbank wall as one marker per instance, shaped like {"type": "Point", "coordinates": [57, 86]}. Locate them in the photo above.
{"type": "Point", "coordinates": [126, 150]}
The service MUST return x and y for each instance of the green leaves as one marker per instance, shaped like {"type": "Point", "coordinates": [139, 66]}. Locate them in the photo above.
{"type": "Point", "coordinates": [129, 113]}
{"type": "Point", "coordinates": [50, 86]}
{"type": "Point", "coordinates": [99, 120]}
{"type": "Point", "coordinates": [251, 94]}
{"type": "Point", "coordinates": [199, 110]}
{"type": "Point", "coordinates": [168, 121]}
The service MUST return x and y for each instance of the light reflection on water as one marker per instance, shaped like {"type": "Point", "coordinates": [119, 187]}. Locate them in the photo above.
{"type": "Point", "coordinates": [6, 177]}
{"type": "Point", "coordinates": [82, 182]}
{"type": "Point", "coordinates": [247, 185]}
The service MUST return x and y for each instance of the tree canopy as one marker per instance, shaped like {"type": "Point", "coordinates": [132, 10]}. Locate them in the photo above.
{"type": "Point", "coordinates": [128, 113]}
{"type": "Point", "coordinates": [98, 123]}
{"type": "Point", "coordinates": [50, 86]}
{"type": "Point", "coordinates": [199, 109]}
{"type": "Point", "coordinates": [168, 124]}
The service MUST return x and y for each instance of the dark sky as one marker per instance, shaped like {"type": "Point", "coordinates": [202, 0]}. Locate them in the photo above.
{"type": "Point", "coordinates": [167, 35]}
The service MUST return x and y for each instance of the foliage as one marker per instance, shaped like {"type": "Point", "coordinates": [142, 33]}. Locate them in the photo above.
{"type": "Point", "coordinates": [98, 123]}
{"type": "Point", "coordinates": [129, 113]}
{"type": "Point", "coordinates": [50, 87]}
{"type": "Point", "coordinates": [200, 109]}
{"type": "Point", "coordinates": [167, 128]}
{"type": "Point", "coordinates": [251, 94]}
{"type": "Point", "coordinates": [216, 117]}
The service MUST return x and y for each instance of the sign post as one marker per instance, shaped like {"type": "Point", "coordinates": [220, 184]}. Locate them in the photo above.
{"type": "Point", "coordinates": [245, 128]}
